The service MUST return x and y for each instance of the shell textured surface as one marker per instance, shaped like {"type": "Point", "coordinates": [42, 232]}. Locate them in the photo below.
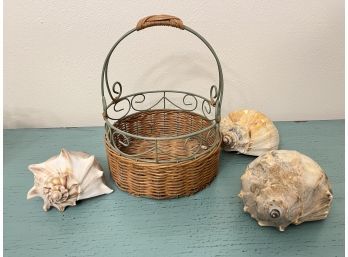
{"type": "Point", "coordinates": [66, 178]}
{"type": "Point", "coordinates": [249, 132]}
{"type": "Point", "coordinates": [283, 187]}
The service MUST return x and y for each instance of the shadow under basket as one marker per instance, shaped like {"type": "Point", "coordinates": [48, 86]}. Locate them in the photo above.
{"type": "Point", "coordinates": [167, 179]}
{"type": "Point", "coordinates": [169, 146]}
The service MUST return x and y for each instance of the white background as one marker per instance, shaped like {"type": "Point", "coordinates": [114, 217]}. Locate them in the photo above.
{"type": "Point", "coordinates": [284, 58]}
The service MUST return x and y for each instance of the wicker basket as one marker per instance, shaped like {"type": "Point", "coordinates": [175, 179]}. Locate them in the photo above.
{"type": "Point", "coordinates": [161, 144]}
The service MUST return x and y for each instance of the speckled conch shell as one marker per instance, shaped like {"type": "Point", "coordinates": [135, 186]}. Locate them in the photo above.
{"type": "Point", "coordinates": [66, 178]}
{"type": "Point", "coordinates": [249, 132]}
{"type": "Point", "coordinates": [283, 187]}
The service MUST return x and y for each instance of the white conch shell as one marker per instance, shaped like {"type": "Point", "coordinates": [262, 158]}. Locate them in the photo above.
{"type": "Point", "coordinates": [66, 178]}
{"type": "Point", "coordinates": [249, 132]}
{"type": "Point", "coordinates": [283, 187]}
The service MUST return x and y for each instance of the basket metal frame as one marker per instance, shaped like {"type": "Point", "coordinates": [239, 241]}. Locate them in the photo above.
{"type": "Point", "coordinates": [190, 102]}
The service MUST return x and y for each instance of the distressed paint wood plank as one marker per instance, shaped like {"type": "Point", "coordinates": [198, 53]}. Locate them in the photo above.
{"type": "Point", "coordinates": [210, 223]}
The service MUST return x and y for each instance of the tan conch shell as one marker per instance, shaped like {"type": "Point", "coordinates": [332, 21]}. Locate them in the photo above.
{"type": "Point", "coordinates": [283, 187]}
{"type": "Point", "coordinates": [66, 178]}
{"type": "Point", "coordinates": [249, 132]}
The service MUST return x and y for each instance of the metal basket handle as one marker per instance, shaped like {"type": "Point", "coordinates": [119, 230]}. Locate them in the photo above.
{"type": "Point", "coordinates": [172, 21]}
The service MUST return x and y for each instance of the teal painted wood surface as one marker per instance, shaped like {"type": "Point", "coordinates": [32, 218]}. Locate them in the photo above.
{"type": "Point", "coordinates": [209, 223]}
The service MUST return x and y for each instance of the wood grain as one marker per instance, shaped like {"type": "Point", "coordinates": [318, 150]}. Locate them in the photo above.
{"type": "Point", "coordinates": [210, 223]}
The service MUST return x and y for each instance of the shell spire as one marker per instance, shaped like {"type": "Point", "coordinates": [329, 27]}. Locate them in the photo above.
{"type": "Point", "coordinates": [66, 178]}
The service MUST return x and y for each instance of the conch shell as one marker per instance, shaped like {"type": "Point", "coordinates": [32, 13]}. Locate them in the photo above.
{"type": "Point", "coordinates": [283, 187]}
{"type": "Point", "coordinates": [249, 132]}
{"type": "Point", "coordinates": [66, 178]}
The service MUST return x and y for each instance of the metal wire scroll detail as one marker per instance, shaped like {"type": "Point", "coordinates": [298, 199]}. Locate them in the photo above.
{"type": "Point", "coordinates": [120, 107]}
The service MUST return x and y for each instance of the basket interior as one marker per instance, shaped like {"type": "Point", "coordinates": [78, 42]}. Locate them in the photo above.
{"type": "Point", "coordinates": [164, 123]}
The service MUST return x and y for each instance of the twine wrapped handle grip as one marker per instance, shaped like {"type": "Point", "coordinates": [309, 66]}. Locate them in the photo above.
{"type": "Point", "coordinates": [160, 20]}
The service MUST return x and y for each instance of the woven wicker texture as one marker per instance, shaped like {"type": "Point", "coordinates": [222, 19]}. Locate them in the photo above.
{"type": "Point", "coordinates": [165, 123]}
{"type": "Point", "coordinates": [158, 180]}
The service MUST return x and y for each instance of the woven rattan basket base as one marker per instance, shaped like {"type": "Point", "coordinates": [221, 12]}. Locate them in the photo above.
{"type": "Point", "coordinates": [176, 172]}
{"type": "Point", "coordinates": [163, 181]}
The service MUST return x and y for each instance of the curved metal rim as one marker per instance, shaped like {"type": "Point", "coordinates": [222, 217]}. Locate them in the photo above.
{"type": "Point", "coordinates": [178, 160]}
